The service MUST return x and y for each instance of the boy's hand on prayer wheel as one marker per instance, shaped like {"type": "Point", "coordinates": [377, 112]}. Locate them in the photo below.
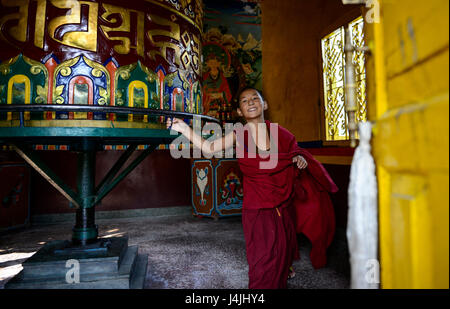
{"type": "Point", "coordinates": [177, 125]}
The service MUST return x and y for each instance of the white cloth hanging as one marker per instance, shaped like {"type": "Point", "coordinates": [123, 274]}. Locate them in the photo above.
{"type": "Point", "coordinates": [362, 224]}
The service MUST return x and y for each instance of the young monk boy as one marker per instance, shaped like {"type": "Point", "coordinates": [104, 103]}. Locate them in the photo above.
{"type": "Point", "coordinates": [268, 215]}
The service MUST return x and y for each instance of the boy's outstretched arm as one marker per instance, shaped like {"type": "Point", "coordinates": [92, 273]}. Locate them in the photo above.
{"type": "Point", "coordinates": [207, 147]}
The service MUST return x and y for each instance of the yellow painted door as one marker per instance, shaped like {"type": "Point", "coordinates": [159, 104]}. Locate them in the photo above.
{"type": "Point", "coordinates": [408, 100]}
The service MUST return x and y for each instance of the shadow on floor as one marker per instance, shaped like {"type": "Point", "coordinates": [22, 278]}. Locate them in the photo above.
{"type": "Point", "coordinates": [184, 252]}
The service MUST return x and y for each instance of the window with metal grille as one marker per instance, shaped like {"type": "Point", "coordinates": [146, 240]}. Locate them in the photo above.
{"type": "Point", "coordinates": [333, 56]}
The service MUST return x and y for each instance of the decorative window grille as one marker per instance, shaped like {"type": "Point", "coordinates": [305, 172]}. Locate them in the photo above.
{"type": "Point", "coordinates": [336, 122]}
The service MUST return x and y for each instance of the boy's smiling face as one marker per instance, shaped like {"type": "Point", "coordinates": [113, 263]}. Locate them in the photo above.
{"type": "Point", "coordinates": [251, 104]}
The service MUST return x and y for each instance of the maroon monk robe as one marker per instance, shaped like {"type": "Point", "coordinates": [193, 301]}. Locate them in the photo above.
{"type": "Point", "coordinates": [313, 207]}
{"type": "Point", "coordinates": [269, 220]}
{"type": "Point", "coordinates": [271, 245]}
{"type": "Point", "coordinates": [268, 215]}
{"type": "Point", "coordinates": [314, 212]}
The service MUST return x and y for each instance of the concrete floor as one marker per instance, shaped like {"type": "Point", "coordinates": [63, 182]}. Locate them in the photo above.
{"type": "Point", "coordinates": [183, 252]}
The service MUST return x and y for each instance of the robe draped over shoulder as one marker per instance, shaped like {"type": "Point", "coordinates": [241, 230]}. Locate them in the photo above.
{"type": "Point", "coordinates": [284, 185]}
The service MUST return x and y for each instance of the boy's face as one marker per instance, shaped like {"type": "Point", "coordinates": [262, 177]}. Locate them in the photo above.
{"type": "Point", "coordinates": [251, 104]}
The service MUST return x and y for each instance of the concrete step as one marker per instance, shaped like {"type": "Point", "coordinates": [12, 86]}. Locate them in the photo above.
{"type": "Point", "coordinates": [46, 263]}
{"type": "Point", "coordinates": [129, 273]}
{"type": "Point", "coordinates": [139, 273]}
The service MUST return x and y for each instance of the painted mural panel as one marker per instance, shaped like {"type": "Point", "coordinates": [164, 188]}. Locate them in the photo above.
{"type": "Point", "coordinates": [229, 188]}
{"type": "Point", "coordinates": [202, 187]}
{"type": "Point", "coordinates": [217, 188]}
{"type": "Point", "coordinates": [232, 54]}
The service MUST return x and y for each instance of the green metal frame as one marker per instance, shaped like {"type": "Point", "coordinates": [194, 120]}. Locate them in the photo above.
{"type": "Point", "coordinates": [87, 195]}
{"type": "Point", "coordinates": [116, 133]}
{"type": "Point", "coordinates": [108, 183]}
{"type": "Point", "coordinates": [31, 158]}
{"type": "Point", "coordinates": [86, 141]}
{"type": "Point", "coordinates": [85, 231]}
{"type": "Point", "coordinates": [116, 168]}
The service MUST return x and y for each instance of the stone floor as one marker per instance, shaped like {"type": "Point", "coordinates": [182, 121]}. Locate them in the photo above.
{"type": "Point", "coordinates": [184, 252]}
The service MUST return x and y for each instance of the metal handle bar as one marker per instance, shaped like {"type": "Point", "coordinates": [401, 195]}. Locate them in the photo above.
{"type": "Point", "coordinates": [100, 109]}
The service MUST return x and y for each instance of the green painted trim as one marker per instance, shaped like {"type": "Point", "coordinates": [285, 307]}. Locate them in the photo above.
{"type": "Point", "coordinates": [84, 132]}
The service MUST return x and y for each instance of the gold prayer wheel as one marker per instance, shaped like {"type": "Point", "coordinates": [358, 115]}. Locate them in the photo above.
{"type": "Point", "coordinates": [143, 54]}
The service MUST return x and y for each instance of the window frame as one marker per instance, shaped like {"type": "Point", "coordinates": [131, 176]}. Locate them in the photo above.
{"type": "Point", "coordinates": [343, 21]}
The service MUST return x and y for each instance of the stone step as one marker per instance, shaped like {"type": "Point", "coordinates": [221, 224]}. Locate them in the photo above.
{"type": "Point", "coordinates": [130, 274]}
{"type": "Point", "coordinates": [139, 273]}
{"type": "Point", "coordinates": [46, 263]}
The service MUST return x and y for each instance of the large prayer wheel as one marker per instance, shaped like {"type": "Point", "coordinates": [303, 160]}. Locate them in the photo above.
{"type": "Point", "coordinates": [135, 55]}
{"type": "Point", "coordinates": [143, 54]}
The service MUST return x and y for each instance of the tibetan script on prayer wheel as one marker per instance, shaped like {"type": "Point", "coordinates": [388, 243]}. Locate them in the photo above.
{"type": "Point", "coordinates": [142, 54]}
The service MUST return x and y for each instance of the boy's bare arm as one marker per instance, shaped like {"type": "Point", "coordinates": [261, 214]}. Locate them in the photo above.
{"type": "Point", "coordinates": [207, 147]}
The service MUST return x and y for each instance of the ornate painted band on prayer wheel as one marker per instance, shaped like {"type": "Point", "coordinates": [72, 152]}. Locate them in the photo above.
{"type": "Point", "coordinates": [143, 54]}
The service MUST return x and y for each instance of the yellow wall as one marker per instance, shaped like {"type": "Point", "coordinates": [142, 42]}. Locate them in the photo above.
{"type": "Point", "coordinates": [408, 76]}
{"type": "Point", "coordinates": [292, 72]}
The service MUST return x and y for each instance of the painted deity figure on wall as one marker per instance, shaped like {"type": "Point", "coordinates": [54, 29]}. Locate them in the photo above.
{"type": "Point", "coordinates": [232, 32]}
{"type": "Point", "coordinates": [216, 91]}
{"type": "Point", "coordinates": [251, 64]}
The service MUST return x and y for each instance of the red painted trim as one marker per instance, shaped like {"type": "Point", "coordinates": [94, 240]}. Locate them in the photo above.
{"type": "Point", "coordinates": [161, 94]}
{"type": "Point", "coordinates": [191, 96]}
{"type": "Point", "coordinates": [80, 80]}
{"type": "Point", "coordinates": [175, 92]}
{"type": "Point", "coordinates": [112, 68]}
{"type": "Point", "coordinates": [50, 65]}
{"type": "Point", "coordinates": [161, 88]}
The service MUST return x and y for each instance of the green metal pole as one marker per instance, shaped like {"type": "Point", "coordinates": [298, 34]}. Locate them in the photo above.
{"type": "Point", "coordinates": [85, 231]}
{"type": "Point", "coordinates": [116, 168]}
{"type": "Point", "coordinates": [111, 184]}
